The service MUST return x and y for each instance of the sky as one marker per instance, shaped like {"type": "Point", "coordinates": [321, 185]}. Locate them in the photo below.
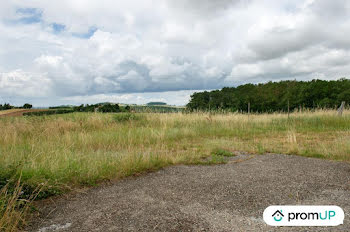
{"type": "Point", "coordinates": [132, 51]}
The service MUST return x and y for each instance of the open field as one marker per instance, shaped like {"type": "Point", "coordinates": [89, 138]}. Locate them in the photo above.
{"type": "Point", "coordinates": [63, 152]}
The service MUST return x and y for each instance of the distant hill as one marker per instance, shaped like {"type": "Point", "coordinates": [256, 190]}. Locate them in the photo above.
{"type": "Point", "coordinates": [156, 104]}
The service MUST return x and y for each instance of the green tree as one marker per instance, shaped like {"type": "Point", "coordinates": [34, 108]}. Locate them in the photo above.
{"type": "Point", "coordinates": [27, 106]}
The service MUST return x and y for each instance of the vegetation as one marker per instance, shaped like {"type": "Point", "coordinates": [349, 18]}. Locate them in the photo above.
{"type": "Point", "coordinates": [156, 109]}
{"type": "Point", "coordinates": [6, 106]}
{"type": "Point", "coordinates": [14, 206]}
{"type": "Point", "coordinates": [61, 107]}
{"type": "Point", "coordinates": [274, 96]}
{"type": "Point", "coordinates": [27, 106]}
{"type": "Point", "coordinates": [156, 104]}
{"type": "Point", "coordinates": [58, 153]}
{"type": "Point", "coordinates": [102, 107]}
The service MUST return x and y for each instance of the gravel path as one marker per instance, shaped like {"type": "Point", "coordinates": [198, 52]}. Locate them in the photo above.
{"type": "Point", "coordinates": [230, 197]}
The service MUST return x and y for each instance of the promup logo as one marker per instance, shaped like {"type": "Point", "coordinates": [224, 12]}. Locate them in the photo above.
{"type": "Point", "coordinates": [303, 215]}
{"type": "Point", "coordinates": [278, 215]}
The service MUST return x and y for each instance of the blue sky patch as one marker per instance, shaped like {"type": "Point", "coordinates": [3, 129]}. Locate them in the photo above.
{"type": "Point", "coordinates": [58, 28]}
{"type": "Point", "coordinates": [86, 35]}
{"type": "Point", "coordinates": [29, 15]}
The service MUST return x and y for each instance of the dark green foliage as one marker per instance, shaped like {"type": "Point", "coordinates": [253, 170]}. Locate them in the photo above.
{"type": "Point", "coordinates": [156, 104]}
{"type": "Point", "coordinates": [85, 108]}
{"type": "Point", "coordinates": [127, 109]}
{"type": "Point", "coordinates": [6, 106]}
{"type": "Point", "coordinates": [27, 106]}
{"type": "Point", "coordinates": [61, 107]}
{"type": "Point", "coordinates": [102, 107]}
{"type": "Point", "coordinates": [274, 96]}
{"type": "Point", "coordinates": [109, 108]}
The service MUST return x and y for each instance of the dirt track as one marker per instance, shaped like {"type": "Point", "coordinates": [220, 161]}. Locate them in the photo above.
{"type": "Point", "coordinates": [15, 113]}
{"type": "Point", "coordinates": [230, 197]}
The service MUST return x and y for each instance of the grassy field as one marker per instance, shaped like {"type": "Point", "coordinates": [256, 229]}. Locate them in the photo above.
{"type": "Point", "coordinates": [61, 152]}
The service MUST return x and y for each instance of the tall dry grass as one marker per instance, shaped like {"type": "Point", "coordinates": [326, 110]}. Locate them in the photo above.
{"type": "Point", "coordinates": [72, 150]}
{"type": "Point", "coordinates": [13, 207]}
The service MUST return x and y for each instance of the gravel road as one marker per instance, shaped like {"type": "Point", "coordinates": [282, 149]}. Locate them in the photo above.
{"type": "Point", "coordinates": [229, 197]}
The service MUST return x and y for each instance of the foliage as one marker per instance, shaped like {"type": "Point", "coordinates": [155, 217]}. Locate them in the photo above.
{"type": "Point", "coordinates": [156, 104]}
{"type": "Point", "coordinates": [274, 96]}
{"type": "Point", "coordinates": [6, 106]}
{"type": "Point", "coordinates": [27, 106]}
{"type": "Point", "coordinates": [61, 107]}
{"type": "Point", "coordinates": [109, 108]}
{"type": "Point", "coordinates": [102, 107]}
{"type": "Point", "coordinates": [127, 108]}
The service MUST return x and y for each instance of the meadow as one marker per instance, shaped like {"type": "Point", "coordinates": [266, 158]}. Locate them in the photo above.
{"type": "Point", "coordinates": [48, 155]}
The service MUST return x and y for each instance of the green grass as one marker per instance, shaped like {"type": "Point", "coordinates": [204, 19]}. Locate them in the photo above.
{"type": "Point", "coordinates": [63, 152]}
{"type": "Point", "coordinates": [222, 152]}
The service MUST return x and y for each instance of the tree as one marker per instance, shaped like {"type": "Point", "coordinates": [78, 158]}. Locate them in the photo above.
{"type": "Point", "coordinates": [27, 106]}
{"type": "Point", "coordinates": [109, 108]}
{"type": "Point", "coordinates": [274, 96]}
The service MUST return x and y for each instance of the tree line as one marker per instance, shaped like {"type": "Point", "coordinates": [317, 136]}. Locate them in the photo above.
{"type": "Point", "coordinates": [7, 106]}
{"type": "Point", "coordinates": [274, 96]}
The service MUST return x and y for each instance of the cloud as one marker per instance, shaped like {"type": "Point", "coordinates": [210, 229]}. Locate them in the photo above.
{"type": "Point", "coordinates": [77, 49]}
{"type": "Point", "coordinates": [20, 83]}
